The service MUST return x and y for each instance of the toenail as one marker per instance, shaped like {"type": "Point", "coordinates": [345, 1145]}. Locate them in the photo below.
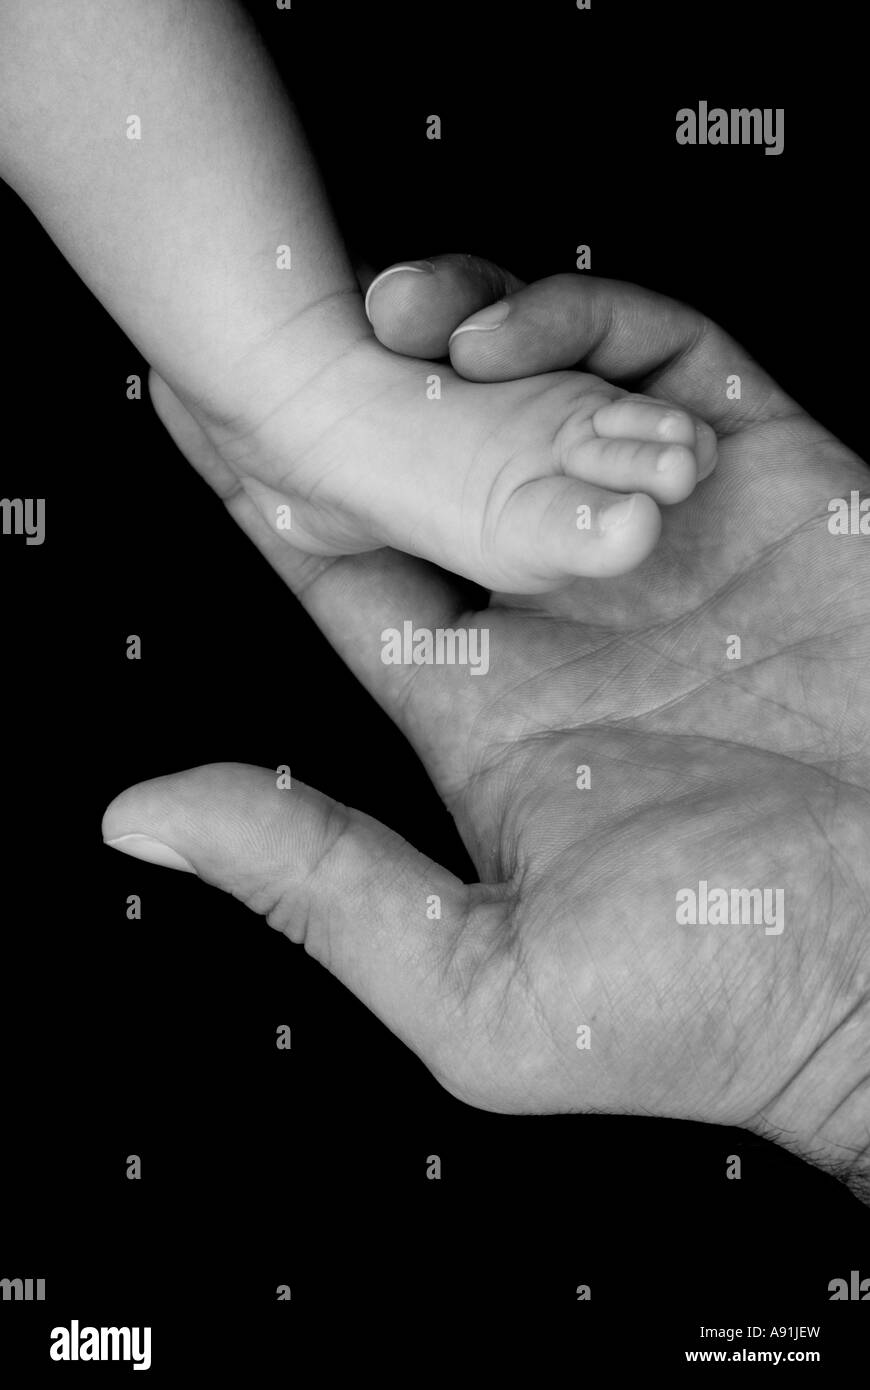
{"type": "Point", "coordinates": [394, 270]}
{"type": "Point", "coordinates": [484, 321]}
{"type": "Point", "coordinates": [707, 450]}
{"type": "Point", "coordinates": [671, 459]}
{"type": "Point", "coordinates": [670, 423]}
{"type": "Point", "coordinates": [617, 515]}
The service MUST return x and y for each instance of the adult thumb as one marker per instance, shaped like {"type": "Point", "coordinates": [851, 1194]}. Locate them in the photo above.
{"type": "Point", "coordinates": [363, 902]}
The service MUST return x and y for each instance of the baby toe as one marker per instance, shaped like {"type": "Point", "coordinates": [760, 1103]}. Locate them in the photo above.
{"type": "Point", "coordinates": [667, 472]}
{"type": "Point", "coordinates": [637, 417]}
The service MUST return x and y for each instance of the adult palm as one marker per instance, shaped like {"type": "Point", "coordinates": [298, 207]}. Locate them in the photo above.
{"type": "Point", "coordinates": [699, 720]}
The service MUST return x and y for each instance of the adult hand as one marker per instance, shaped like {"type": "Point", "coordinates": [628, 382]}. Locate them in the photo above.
{"type": "Point", "coordinates": [749, 773]}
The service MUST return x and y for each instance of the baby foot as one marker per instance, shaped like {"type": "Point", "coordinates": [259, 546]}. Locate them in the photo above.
{"type": "Point", "coordinates": [520, 486]}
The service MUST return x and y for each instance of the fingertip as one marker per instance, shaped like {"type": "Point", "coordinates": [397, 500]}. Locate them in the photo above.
{"type": "Point", "coordinates": [151, 851]}
{"type": "Point", "coordinates": [414, 308]}
{"type": "Point", "coordinates": [406, 268]}
{"type": "Point", "coordinates": [415, 312]}
{"type": "Point", "coordinates": [484, 321]}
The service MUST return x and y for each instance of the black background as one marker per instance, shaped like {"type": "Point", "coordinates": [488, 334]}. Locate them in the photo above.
{"type": "Point", "coordinates": [157, 1037]}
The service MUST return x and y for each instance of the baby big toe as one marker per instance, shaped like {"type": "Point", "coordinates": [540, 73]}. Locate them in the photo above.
{"type": "Point", "coordinates": [557, 529]}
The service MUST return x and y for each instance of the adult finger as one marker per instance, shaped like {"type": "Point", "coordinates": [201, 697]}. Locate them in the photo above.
{"type": "Point", "coordinates": [358, 897]}
{"type": "Point", "coordinates": [625, 334]}
{"type": "Point", "coordinates": [497, 329]}
{"type": "Point", "coordinates": [414, 306]}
